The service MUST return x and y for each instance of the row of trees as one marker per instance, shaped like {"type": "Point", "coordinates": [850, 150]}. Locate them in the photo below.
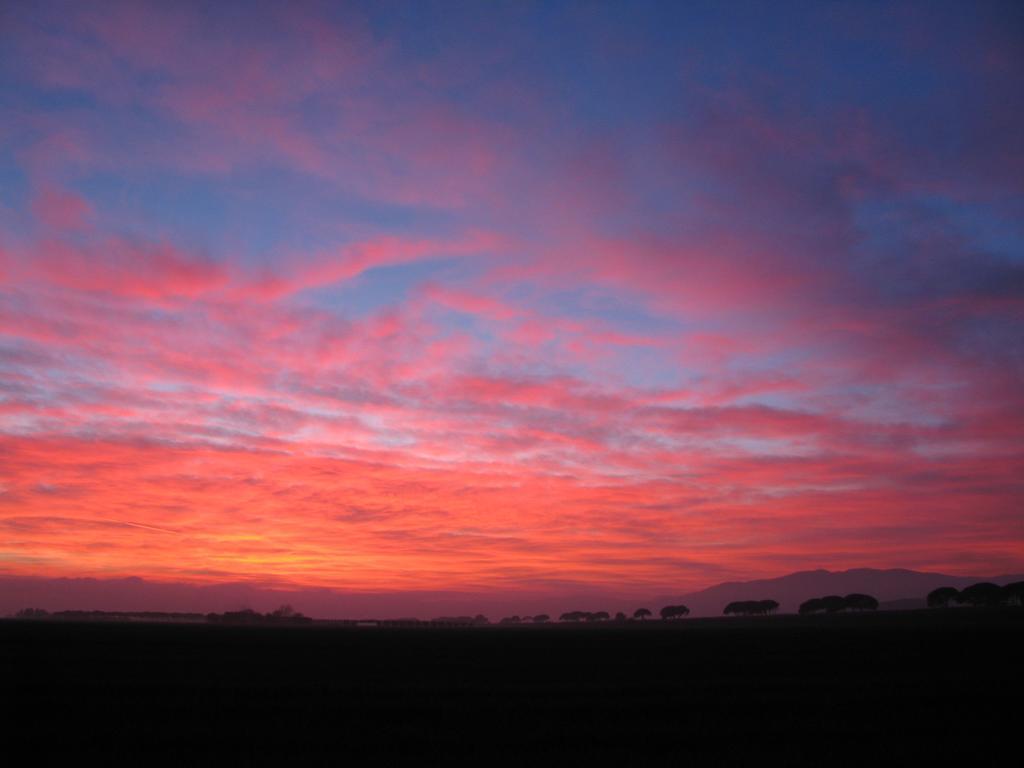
{"type": "Point", "coordinates": [981, 594]}
{"type": "Point", "coordinates": [575, 616]}
{"type": "Point", "coordinates": [827, 604]}
{"type": "Point", "coordinates": [640, 614]}
{"type": "Point", "coordinates": [837, 603]}
{"type": "Point", "coordinates": [751, 608]}
{"type": "Point", "coordinates": [978, 594]}
{"type": "Point", "coordinates": [541, 618]}
{"type": "Point", "coordinates": [283, 615]}
{"type": "Point", "coordinates": [984, 593]}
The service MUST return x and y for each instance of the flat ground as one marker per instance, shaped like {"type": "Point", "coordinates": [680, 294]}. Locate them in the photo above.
{"type": "Point", "coordinates": [889, 688]}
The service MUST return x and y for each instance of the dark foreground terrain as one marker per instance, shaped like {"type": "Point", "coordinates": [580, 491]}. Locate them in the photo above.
{"type": "Point", "coordinates": [885, 688]}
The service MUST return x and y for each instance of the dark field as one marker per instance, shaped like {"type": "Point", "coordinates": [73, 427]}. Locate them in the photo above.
{"type": "Point", "coordinates": [885, 688]}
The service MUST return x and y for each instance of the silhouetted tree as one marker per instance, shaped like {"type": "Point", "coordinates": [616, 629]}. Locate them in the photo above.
{"type": "Point", "coordinates": [941, 597]}
{"type": "Point", "coordinates": [984, 593]}
{"type": "Point", "coordinates": [813, 605]}
{"type": "Point", "coordinates": [284, 612]}
{"type": "Point", "coordinates": [767, 606]}
{"type": "Point", "coordinates": [541, 618]}
{"type": "Point", "coordinates": [573, 616]}
{"type": "Point", "coordinates": [620, 616]}
{"type": "Point", "coordinates": [480, 620]}
{"type": "Point", "coordinates": [833, 603]}
{"type": "Point", "coordinates": [1014, 593]}
{"type": "Point", "coordinates": [510, 620]}
{"type": "Point", "coordinates": [858, 602]}
{"type": "Point", "coordinates": [674, 611]}
{"type": "Point", "coordinates": [598, 616]}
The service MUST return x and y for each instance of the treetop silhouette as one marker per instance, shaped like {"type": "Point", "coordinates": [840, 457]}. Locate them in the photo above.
{"type": "Point", "coordinates": [674, 612]}
{"type": "Point", "coordinates": [984, 593]}
{"type": "Point", "coordinates": [836, 604]}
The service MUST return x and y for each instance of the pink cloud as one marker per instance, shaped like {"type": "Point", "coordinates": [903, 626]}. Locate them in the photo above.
{"type": "Point", "coordinates": [639, 360]}
{"type": "Point", "coordinates": [329, 267]}
{"type": "Point", "coordinates": [60, 209]}
{"type": "Point", "coordinates": [124, 267]}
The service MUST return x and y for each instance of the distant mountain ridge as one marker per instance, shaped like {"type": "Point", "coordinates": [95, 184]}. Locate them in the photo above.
{"type": "Point", "coordinates": [897, 586]}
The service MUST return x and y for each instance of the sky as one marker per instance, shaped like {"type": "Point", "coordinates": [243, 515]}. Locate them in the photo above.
{"type": "Point", "coordinates": [515, 300]}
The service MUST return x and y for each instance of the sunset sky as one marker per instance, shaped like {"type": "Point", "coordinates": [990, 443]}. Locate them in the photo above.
{"type": "Point", "coordinates": [510, 298]}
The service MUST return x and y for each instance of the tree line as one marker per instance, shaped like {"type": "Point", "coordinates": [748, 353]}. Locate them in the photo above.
{"type": "Point", "coordinates": [576, 617]}
{"type": "Point", "coordinates": [285, 615]}
{"type": "Point", "coordinates": [751, 608]}
{"type": "Point", "coordinates": [982, 594]}
{"type": "Point", "coordinates": [836, 603]}
{"type": "Point", "coordinates": [977, 595]}
{"type": "Point", "coordinates": [667, 613]}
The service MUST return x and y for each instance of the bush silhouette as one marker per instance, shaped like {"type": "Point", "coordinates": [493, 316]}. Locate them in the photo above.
{"type": "Point", "coordinates": [541, 618]}
{"type": "Point", "coordinates": [941, 597]}
{"type": "Point", "coordinates": [641, 613]}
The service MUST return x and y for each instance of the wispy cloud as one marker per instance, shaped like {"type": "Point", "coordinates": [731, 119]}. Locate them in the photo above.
{"type": "Point", "coordinates": [310, 300]}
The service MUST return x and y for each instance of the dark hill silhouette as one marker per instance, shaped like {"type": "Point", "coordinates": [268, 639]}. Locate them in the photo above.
{"type": "Point", "coordinates": [893, 587]}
